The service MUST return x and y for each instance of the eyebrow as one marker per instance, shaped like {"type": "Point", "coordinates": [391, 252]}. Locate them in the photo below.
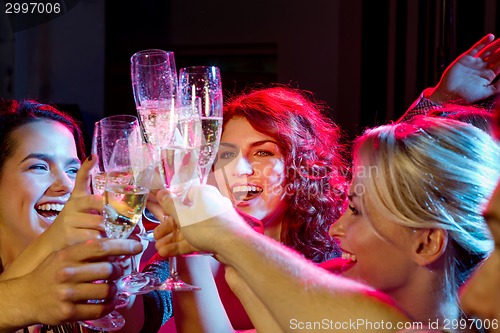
{"type": "Point", "coordinates": [50, 159]}
{"type": "Point", "coordinates": [260, 143]}
{"type": "Point", "coordinates": [253, 144]}
{"type": "Point", "coordinates": [229, 145]}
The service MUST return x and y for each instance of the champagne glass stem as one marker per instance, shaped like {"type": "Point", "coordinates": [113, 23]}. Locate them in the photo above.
{"type": "Point", "coordinates": [173, 267]}
{"type": "Point", "coordinates": [174, 282]}
{"type": "Point", "coordinates": [172, 260]}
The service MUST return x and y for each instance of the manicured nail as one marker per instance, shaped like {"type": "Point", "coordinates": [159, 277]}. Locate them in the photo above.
{"type": "Point", "coordinates": [136, 246]}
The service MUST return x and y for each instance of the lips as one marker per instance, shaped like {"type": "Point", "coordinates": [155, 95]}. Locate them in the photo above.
{"type": "Point", "coordinates": [340, 265]}
{"type": "Point", "coordinates": [348, 256]}
{"type": "Point", "coordinates": [245, 192]}
{"type": "Point", "coordinates": [49, 210]}
{"type": "Point", "coordinates": [337, 265]}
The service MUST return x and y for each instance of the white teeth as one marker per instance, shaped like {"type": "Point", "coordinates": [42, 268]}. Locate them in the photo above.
{"type": "Point", "coordinates": [246, 189]}
{"type": "Point", "coordinates": [55, 207]}
{"type": "Point", "coordinates": [52, 218]}
{"type": "Point", "coordinates": [348, 256]}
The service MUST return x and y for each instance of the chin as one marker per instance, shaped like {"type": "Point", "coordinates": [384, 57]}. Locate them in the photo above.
{"type": "Point", "coordinates": [252, 212]}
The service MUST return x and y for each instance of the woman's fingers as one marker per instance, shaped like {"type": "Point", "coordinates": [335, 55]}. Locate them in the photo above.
{"type": "Point", "coordinates": [165, 228]}
{"type": "Point", "coordinates": [86, 204]}
{"type": "Point", "coordinates": [83, 177]}
{"type": "Point", "coordinates": [476, 48]}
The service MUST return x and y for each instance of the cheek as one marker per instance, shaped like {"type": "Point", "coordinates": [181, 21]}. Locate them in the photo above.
{"type": "Point", "coordinates": [357, 233]}
{"type": "Point", "coordinates": [222, 180]}
{"type": "Point", "coordinates": [274, 173]}
{"type": "Point", "coordinates": [18, 189]}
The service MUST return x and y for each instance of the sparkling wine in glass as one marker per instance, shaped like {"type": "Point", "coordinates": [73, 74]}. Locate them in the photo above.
{"type": "Point", "coordinates": [128, 179]}
{"type": "Point", "coordinates": [200, 87]}
{"type": "Point", "coordinates": [180, 165]}
{"type": "Point", "coordinates": [154, 85]}
{"type": "Point", "coordinates": [106, 133]}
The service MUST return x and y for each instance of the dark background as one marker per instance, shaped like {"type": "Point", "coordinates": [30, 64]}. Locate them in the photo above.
{"type": "Point", "coordinates": [367, 59]}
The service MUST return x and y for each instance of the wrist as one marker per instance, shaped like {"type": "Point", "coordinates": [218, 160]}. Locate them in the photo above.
{"type": "Point", "coordinates": [235, 238]}
{"type": "Point", "coordinates": [24, 313]}
{"type": "Point", "coordinates": [439, 96]}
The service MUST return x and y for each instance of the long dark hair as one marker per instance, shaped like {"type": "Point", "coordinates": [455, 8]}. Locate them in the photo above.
{"type": "Point", "coordinates": [314, 159]}
{"type": "Point", "coordinates": [14, 114]}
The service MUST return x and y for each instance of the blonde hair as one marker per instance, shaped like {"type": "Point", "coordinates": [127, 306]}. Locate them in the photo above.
{"type": "Point", "coordinates": [433, 173]}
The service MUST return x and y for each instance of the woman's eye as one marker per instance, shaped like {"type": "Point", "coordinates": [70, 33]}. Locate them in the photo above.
{"type": "Point", "coordinates": [263, 153]}
{"type": "Point", "coordinates": [227, 155]}
{"type": "Point", "coordinates": [38, 167]}
{"type": "Point", "coordinates": [353, 210]}
{"type": "Point", "coordinates": [72, 172]}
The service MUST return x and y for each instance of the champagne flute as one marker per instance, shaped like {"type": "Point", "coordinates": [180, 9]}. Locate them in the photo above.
{"type": "Point", "coordinates": [195, 141]}
{"type": "Point", "coordinates": [154, 85]}
{"type": "Point", "coordinates": [129, 174]}
{"type": "Point", "coordinates": [201, 88]}
{"type": "Point", "coordinates": [128, 178]}
{"type": "Point", "coordinates": [98, 174]}
{"type": "Point", "coordinates": [180, 164]}
{"type": "Point", "coordinates": [107, 131]}
{"type": "Point", "coordinates": [127, 187]}
{"type": "Point", "coordinates": [115, 126]}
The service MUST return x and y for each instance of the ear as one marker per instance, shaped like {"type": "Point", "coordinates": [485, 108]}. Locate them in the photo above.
{"type": "Point", "coordinates": [430, 244]}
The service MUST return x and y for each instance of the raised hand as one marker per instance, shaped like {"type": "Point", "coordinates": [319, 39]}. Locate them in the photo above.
{"type": "Point", "coordinates": [166, 244]}
{"type": "Point", "coordinates": [78, 220]}
{"type": "Point", "coordinates": [205, 217]}
{"type": "Point", "coordinates": [470, 77]}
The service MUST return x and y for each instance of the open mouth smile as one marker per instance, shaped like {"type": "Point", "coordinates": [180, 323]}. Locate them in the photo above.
{"type": "Point", "coordinates": [340, 264]}
{"type": "Point", "coordinates": [348, 256]}
{"type": "Point", "coordinates": [49, 211]}
{"type": "Point", "coordinates": [246, 192]}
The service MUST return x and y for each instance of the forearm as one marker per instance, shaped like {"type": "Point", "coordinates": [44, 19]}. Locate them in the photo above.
{"type": "Point", "coordinates": [28, 259]}
{"type": "Point", "coordinates": [294, 289]}
{"type": "Point", "coordinates": [259, 314]}
{"type": "Point", "coordinates": [291, 287]}
{"type": "Point", "coordinates": [202, 310]}
{"type": "Point", "coordinates": [15, 314]}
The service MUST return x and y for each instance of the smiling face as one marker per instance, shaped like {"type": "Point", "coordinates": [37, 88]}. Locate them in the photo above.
{"type": "Point", "coordinates": [250, 170]}
{"type": "Point", "coordinates": [35, 183]}
{"type": "Point", "coordinates": [376, 250]}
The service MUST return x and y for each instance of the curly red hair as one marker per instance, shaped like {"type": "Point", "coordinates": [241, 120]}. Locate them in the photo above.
{"type": "Point", "coordinates": [314, 159]}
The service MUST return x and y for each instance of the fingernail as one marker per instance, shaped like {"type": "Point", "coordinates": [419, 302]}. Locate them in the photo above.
{"type": "Point", "coordinates": [160, 195]}
{"type": "Point", "coordinates": [136, 246]}
{"type": "Point", "coordinates": [90, 157]}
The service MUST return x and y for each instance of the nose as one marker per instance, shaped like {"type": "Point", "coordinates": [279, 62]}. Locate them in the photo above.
{"type": "Point", "coordinates": [337, 229]}
{"type": "Point", "coordinates": [242, 167]}
{"type": "Point", "coordinates": [62, 183]}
